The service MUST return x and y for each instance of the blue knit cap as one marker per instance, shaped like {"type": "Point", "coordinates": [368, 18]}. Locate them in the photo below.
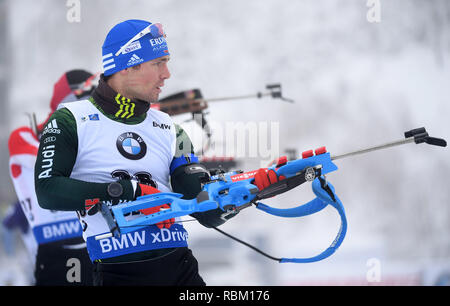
{"type": "Point", "coordinates": [149, 43]}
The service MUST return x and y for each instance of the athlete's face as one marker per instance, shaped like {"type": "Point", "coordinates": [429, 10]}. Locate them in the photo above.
{"type": "Point", "coordinates": [145, 82]}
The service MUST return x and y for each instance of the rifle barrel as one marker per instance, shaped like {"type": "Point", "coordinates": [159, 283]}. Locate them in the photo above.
{"type": "Point", "coordinates": [375, 148]}
{"type": "Point", "coordinates": [258, 95]}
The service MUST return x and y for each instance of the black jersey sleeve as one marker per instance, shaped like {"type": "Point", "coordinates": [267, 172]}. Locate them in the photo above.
{"type": "Point", "coordinates": [55, 160]}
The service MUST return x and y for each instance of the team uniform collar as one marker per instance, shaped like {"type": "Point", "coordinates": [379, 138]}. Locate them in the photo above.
{"type": "Point", "coordinates": [113, 103]}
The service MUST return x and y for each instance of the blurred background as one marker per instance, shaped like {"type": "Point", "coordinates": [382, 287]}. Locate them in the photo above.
{"type": "Point", "coordinates": [360, 72]}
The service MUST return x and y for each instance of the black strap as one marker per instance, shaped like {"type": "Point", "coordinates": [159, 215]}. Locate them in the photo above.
{"type": "Point", "coordinates": [247, 245]}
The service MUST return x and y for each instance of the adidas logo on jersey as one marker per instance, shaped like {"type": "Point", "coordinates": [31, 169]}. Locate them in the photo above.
{"type": "Point", "coordinates": [134, 60]}
{"type": "Point", "coordinates": [51, 128]}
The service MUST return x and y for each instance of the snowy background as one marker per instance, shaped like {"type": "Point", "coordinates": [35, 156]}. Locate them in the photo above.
{"type": "Point", "coordinates": [355, 83]}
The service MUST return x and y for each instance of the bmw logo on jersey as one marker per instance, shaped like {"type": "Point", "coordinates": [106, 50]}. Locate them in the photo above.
{"type": "Point", "coordinates": [131, 146]}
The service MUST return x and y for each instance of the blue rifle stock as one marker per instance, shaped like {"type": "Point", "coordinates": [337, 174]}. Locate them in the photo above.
{"type": "Point", "coordinates": [230, 192]}
{"type": "Point", "coordinates": [234, 191]}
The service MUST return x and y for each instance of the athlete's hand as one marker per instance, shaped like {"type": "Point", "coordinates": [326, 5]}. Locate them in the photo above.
{"type": "Point", "coordinates": [266, 177]}
{"type": "Point", "coordinates": [142, 190]}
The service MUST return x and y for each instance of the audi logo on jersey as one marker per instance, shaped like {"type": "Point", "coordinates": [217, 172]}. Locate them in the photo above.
{"type": "Point", "coordinates": [131, 146]}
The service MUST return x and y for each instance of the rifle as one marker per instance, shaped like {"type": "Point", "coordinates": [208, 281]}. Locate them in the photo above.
{"type": "Point", "coordinates": [234, 191]}
{"type": "Point", "coordinates": [192, 101]}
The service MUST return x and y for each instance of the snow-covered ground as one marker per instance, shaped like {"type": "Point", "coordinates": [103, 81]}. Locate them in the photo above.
{"type": "Point", "coordinates": [355, 84]}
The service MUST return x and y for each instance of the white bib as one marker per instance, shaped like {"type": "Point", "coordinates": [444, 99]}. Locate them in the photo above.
{"type": "Point", "coordinates": [109, 150]}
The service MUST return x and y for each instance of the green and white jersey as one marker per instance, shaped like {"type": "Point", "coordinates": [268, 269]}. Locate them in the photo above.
{"type": "Point", "coordinates": [109, 150]}
{"type": "Point", "coordinates": [91, 150]}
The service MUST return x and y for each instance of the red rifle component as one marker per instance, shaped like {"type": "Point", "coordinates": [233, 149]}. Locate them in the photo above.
{"type": "Point", "coordinates": [321, 150]}
{"type": "Point", "coordinates": [281, 161]}
{"type": "Point", "coordinates": [307, 154]}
